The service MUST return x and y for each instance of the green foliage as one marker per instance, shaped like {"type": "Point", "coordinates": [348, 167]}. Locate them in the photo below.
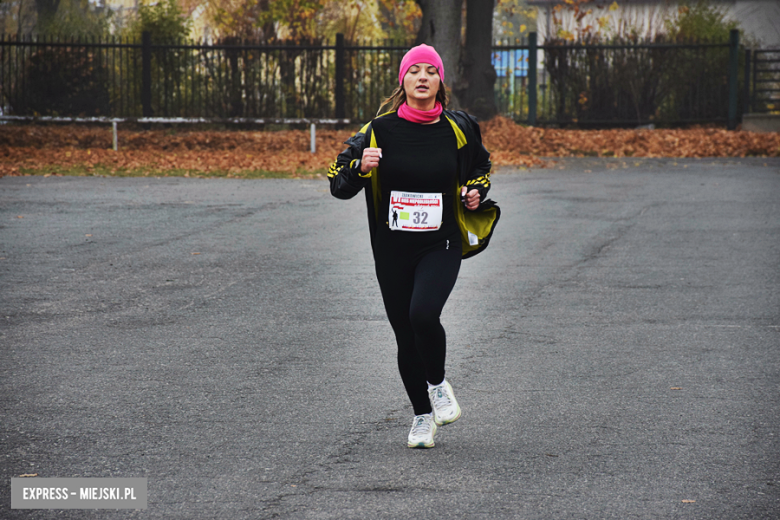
{"type": "Point", "coordinates": [164, 20]}
{"type": "Point", "coordinates": [700, 22]}
{"type": "Point", "coordinates": [63, 81]}
{"type": "Point", "coordinates": [66, 81]}
{"type": "Point", "coordinates": [77, 19]}
{"type": "Point", "coordinates": [639, 84]}
{"type": "Point", "coordinates": [171, 70]}
{"type": "Point", "coordinates": [698, 82]}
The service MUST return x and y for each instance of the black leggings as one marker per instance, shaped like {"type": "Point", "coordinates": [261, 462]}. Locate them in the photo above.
{"type": "Point", "coordinates": [414, 293]}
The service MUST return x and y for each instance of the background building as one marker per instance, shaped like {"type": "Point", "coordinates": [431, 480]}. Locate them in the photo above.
{"type": "Point", "coordinates": [759, 19]}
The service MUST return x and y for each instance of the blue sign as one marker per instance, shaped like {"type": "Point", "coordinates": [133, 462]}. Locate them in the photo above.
{"type": "Point", "coordinates": [508, 61]}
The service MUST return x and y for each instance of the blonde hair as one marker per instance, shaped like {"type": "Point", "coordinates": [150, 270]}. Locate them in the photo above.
{"type": "Point", "coordinates": [398, 98]}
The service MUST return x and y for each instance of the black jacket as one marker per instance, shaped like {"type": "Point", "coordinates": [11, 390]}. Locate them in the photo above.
{"type": "Point", "coordinates": [473, 171]}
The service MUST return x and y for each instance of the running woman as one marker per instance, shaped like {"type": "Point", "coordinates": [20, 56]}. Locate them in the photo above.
{"type": "Point", "coordinates": [425, 175]}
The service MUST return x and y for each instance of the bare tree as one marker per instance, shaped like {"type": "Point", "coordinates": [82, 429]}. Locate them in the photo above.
{"type": "Point", "coordinates": [477, 75]}
{"type": "Point", "coordinates": [441, 28]}
{"type": "Point", "coordinates": [468, 66]}
{"type": "Point", "coordinates": [46, 9]}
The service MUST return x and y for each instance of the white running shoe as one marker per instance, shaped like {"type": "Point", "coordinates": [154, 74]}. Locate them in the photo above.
{"type": "Point", "coordinates": [423, 430]}
{"type": "Point", "coordinates": [445, 406]}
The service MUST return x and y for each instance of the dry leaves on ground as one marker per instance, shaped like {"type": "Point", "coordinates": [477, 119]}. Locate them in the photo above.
{"type": "Point", "coordinates": [36, 147]}
{"type": "Point", "coordinates": [42, 148]}
{"type": "Point", "coordinates": [504, 136]}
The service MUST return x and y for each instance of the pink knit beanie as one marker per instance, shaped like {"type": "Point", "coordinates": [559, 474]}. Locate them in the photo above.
{"type": "Point", "coordinates": [420, 54]}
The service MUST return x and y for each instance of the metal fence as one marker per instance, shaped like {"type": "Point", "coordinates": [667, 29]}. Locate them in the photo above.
{"type": "Point", "coordinates": [620, 85]}
{"type": "Point", "coordinates": [51, 77]}
{"type": "Point", "coordinates": [537, 84]}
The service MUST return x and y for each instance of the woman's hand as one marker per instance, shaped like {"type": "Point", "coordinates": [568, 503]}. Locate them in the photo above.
{"type": "Point", "coordinates": [470, 199]}
{"type": "Point", "coordinates": [370, 159]}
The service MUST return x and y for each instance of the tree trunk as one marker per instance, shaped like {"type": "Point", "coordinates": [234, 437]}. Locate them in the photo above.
{"type": "Point", "coordinates": [478, 76]}
{"type": "Point", "coordinates": [46, 10]}
{"type": "Point", "coordinates": [267, 30]}
{"type": "Point", "coordinates": [440, 28]}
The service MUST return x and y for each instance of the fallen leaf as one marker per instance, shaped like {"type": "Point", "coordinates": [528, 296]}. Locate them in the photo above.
{"type": "Point", "coordinates": [200, 152]}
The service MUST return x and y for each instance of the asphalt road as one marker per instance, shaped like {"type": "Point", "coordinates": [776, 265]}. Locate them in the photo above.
{"type": "Point", "coordinates": [616, 350]}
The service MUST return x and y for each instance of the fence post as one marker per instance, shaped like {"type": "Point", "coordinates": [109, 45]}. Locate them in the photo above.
{"type": "Point", "coordinates": [753, 74]}
{"type": "Point", "coordinates": [146, 73]}
{"type": "Point", "coordinates": [733, 72]}
{"type": "Point", "coordinates": [532, 52]}
{"type": "Point", "coordinates": [340, 59]}
{"type": "Point", "coordinates": [746, 99]}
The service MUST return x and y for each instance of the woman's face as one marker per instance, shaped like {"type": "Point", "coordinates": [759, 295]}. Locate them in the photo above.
{"type": "Point", "coordinates": [421, 85]}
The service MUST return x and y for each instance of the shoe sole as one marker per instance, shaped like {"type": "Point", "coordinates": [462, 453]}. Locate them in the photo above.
{"type": "Point", "coordinates": [422, 444]}
{"type": "Point", "coordinates": [450, 421]}
{"type": "Point", "coordinates": [438, 421]}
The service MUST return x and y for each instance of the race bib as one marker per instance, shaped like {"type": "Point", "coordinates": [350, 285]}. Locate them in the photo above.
{"type": "Point", "coordinates": [410, 211]}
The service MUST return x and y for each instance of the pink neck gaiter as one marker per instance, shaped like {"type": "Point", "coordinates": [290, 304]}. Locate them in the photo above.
{"type": "Point", "coordinates": [419, 116]}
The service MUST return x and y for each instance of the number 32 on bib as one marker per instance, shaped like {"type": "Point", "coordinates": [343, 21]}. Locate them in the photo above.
{"type": "Point", "coordinates": [411, 211]}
